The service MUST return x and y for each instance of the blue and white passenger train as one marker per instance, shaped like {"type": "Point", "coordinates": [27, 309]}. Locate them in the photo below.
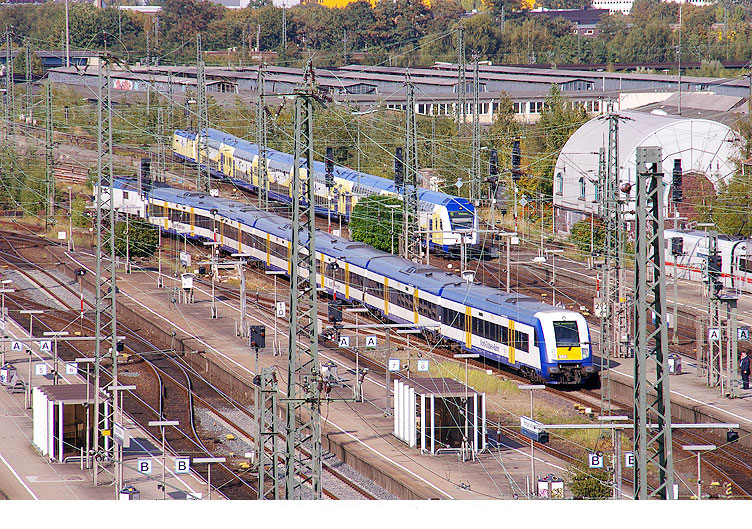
{"type": "Point", "coordinates": [545, 343]}
{"type": "Point", "coordinates": [447, 217]}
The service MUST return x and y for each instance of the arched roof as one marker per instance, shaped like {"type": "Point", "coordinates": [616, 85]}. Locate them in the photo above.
{"type": "Point", "coordinates": [704, 146]}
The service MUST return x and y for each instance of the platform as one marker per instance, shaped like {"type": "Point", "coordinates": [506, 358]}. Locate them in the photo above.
{"type": "Point", "coordinates": [27, 474]}
{"type": "Point", "coordinates": [352, 431]}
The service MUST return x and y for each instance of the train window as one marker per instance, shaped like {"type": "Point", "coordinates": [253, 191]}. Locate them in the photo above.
{"type": "Point", "coordinates": [356, 280]}
{"type": "Point", "coordinates": [566, 333]}
{"type": "Point", "coordinates": [745, 265]}
{"type": "Point", "coordinates": [504, 335]}
{"type": "Point", "coordinates": [374, 288]}
{"type": "Point", "coordinates": [454, 319]}
{"type": "Point", "coordinates": [156, 211]}
{"type": "Point", "coordinates": [247, 239]}
{"type": "Point", "coordinates": [521, 341]}
{"type": "Point", "coordinates": [231, 232]}
{"type": "Point", "coordinates": [461, 220]}
{"type": "Point", "coordinates": [477, 326]}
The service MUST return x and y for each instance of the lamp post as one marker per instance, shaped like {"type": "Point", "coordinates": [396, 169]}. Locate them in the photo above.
{"type": "Point", "coordinates": [31, 313]}
{"type": "Point", "coordinates": [698, 450]}
{"type": "Point", "coordinates": [117, 413]}
{"type": "Point", "coordinates": [208, 461]}
{"type": "Point", "coordinates": [553, 273]}
{"type": "Point", "coordinates": [214, 245]}
{"type": "Point", "coordinates": [70, 196]}
{"type": "Point", "coordinates": [87, 361]}
{"type": "Point", "coordinates": [161, 425]}
{"type": "Point", "coordinates": [275, 273]}
{"type": "Point", "coordinates": [391, 208]}
{"type": "Point", "coordinates": [55, 335]}
{"type": "Point", "coordinates": [241, 273]}
{"type": "Point", "coordinates": [531, 387]}
{"type": "Point", "coordinates": [466, 356]}
{"type": "Point", "coordinates": [356, 311]}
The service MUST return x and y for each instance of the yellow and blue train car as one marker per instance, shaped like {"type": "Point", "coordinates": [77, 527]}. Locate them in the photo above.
{"type": "Point", "coordinates": [545, 343]}
{"type": "Point", "coordinates": [447, 218]}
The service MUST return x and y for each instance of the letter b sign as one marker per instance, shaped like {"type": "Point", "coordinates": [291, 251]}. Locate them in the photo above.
{"type": "Point", "coordinates": [144, 466]}
{"type": "Point", "coordinates": [182, 465]}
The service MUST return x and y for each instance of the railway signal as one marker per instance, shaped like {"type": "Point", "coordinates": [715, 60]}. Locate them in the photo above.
{"type": "Point", "coordinates": [676, 182]}
{"type": "Point", "coordinates": [399, 168]}
{"type": "Point", "coordinates": [257, 336]}
{"type": "Point", "coordinates": [329, 165]}
{"type": "Point", "coordinates": [516, 159]}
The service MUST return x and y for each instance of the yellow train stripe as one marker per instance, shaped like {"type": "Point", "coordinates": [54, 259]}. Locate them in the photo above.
{"type": "Point", "coordinates": [468, 328]}
{"type": "Point", "coordinates": [289, 257]}
{"type": "Point", "coordinates": [511, 342]}
{"type": "Point", "coordinates": [269, 250]}
{"type": "Point", "coordinates": [416, 300]}
{"type": "Point", "coordinates": [347, 281]}
{"type": "Point", "coordinates": [386, 296]}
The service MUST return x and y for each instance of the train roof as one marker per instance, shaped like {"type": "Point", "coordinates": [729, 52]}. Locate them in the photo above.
{"type": "Point", "coordinates": [423, 277]}
{"type": "Point", "coordinates": [283, 161]}
{"type": "Point", "coordinates": [702, 234]}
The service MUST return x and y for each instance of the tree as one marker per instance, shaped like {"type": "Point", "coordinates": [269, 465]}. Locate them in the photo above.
{"type": "Point", "coordinates": [373, 223]}
{"type": "Point", "coordinates": [558, 122]}
{"type": "Point", "coordinates": [142, 238]}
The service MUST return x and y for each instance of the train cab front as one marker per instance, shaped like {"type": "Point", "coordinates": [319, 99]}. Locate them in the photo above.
{"type": "Point", "coordinates": [566, 353]}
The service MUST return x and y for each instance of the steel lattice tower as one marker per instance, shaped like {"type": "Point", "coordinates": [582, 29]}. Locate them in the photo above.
{"type": "Point", "coordinates": [460, 112]}
{"type": "Point", "coordinates": [49, 160]}
{"type": "Point", "coordinates": [412, 237]}
{"type": "Point", "coordinates": [29, 115]}
{"type": "Point", "coordinates": [161, 147]}
{"type": "Point", "coordinates": [303, 400]}
{"type": "Point", "coordinates": [203, 178]}
{"type": "Point", "coordinates": [10, 98]}
{"type": "Point", "coordinates": [651, 346]}
{"type": "Point", "coordinates": [261, 138]}
{"type": "Point", "coordinates": [106, 273]}
{"type": "Point", "coordinates": [475, 177]}
{"type": "Point", "coordinates": [605, 316]}
{"type": "Point", "coordinates": [269, 485]}
{"type": "Point", "coordinates": [715, 350]}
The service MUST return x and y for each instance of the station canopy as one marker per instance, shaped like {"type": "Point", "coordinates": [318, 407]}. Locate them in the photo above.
{"type": "Point", "coordinates": [705, 147]}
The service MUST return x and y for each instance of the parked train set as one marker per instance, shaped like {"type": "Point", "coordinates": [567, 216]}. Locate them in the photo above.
{"type": "Point", "coordinates": [447, 218]}
{"type": "Point", "coordinates": [687, 257]}
{"type": "Point", "coordinates": [545, 343]}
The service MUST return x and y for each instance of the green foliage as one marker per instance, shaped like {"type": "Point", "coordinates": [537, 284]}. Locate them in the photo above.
{"type": "Point", "coordinates": [559, 120]}
{"type": "Point", "coordinates": [581, 233]}
{"type": "Point", "coordinates": [81, 217]}
{"type": "Point", "coordinates": [590, 483]}
{"type": "Point", "coordinates": [142, 238]}
{"type": "Point", "coordinates": [372, 222]}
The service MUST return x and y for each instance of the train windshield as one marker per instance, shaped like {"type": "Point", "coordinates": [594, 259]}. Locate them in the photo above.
{"type": "Point", "coordinates": [461, 220]}
{"type": "Point", "coordinates": [566, 334]}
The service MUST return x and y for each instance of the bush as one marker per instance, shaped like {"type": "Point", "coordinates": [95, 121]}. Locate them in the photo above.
{"type": "Point", "coordinates": [580, 235]}
{"type": "Point", "coordinates": [371, 222]}
{"type": "Point", "coordinates": [143, 238]}
{"type": "Point", "coordinates": [590, 483]}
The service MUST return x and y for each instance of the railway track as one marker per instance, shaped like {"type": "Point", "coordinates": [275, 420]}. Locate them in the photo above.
{"type": "Point", "coordinates": [171, 377]}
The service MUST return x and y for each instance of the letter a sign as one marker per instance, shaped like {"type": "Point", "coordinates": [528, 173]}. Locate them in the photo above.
{"type": "Point", "coordinates": [371, 342]}
{"type": "Point", "coordinates": [344, 341]}
{"type": "Point", "coordinates": [45, 346]}
{"type": "Point", "coordinates": [16, 347]}
{"type": "Point", "coordinates": [714, 334]}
